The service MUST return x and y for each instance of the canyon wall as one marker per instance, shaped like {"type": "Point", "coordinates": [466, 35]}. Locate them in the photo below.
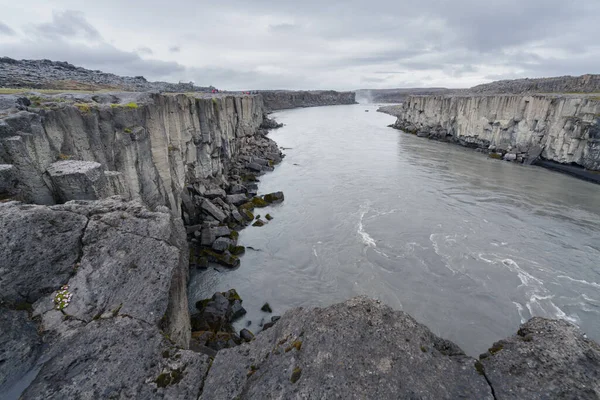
{"type": "Point", "coordinates": [284, 99]}
{"type": "Point", "coordinates": [146, 147]}
{"type": "Point", "coordinates": [562, 128]}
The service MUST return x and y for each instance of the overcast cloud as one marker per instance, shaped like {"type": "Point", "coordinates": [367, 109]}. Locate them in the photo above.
{"type": "Point", "coordinates": [311, 44]}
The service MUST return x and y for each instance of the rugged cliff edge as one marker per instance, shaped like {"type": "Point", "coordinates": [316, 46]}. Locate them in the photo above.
{"type": "Point", "coordinates": [561, 128]}
{"type": "Point", "coordinates": [283, 99]}
{"type": "Point", "coordinates": [149, 147]}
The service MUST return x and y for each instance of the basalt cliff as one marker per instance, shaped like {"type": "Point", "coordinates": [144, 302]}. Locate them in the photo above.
{"type": "Point", "coordinates": [562, 130]}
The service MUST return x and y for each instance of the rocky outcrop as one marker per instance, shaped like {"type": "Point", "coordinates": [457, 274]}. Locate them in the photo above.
{"type": "Point", "coordinates": [564, 129]}
{"type": "Point", "coordinates": [363, 349]}
{"type": "Point", "coordinates": [284, 99]}
{"type": "Point", "coordinates": [107, 283]}
{"type": "Point", "coordinates": [149, 147]}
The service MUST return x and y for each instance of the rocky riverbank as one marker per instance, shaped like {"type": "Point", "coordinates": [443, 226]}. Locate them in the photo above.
{"type": "Point", "coordinates": [561, 130]}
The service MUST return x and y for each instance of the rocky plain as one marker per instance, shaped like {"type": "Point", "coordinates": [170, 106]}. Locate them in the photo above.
{"type": "Point", "coordinates": [108, 200]}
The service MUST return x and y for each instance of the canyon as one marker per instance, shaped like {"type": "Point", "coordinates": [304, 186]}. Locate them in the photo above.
{"type": "Point", "coordinates": [108, 198]}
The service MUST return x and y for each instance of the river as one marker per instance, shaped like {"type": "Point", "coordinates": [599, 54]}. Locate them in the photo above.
{"type": "Point", "coordinates": [469, 246]}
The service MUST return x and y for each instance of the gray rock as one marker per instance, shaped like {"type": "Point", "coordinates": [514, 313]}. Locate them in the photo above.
{"type": "Point", "coordinates": [510, 157]}
{"type": "Point", "coordinates": [546, 359]}
{"type": "Point", "coordinates": [261, 161]}
{"type": "Point", "coordinates": [213, 210]}
{"type": "Point", "coordinates": [533, 154]}
{"type": "Point", "coordinates": [237, 189]}
{"type": "Point", "coordinates": [275, 197]}
{"type": "Point", "coordinates": [8, 185]}
{"type": "Point", "coordinates": [77, 180]}
{"type": "Point", "coordinates": [219, 231]}
{"type": "Point", "coordinates": [222, 244]}
{"type": "Point", "coordinates": [246, 335]}
{"type": "Point", "coordinates": [357, 349]}
{"type": "Point", "coordinates": [20, 346]}
{"type": "Point", "coordinates": [119, 358]}
{"type": "Point", "coordinates": [235, 214]}
{"type": "Point", "coordinates": [214, 193]}
{"type": "Point", "coordinates": [40, 249]}
{"type": "Point", "coordinates": [254, 167]}
{"type": "Point", "coordinates": [208, 237]}
{"type": "Point", "coordinates": [237, 199]}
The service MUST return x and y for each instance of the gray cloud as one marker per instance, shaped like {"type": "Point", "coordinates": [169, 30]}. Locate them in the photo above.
{"type": "Point", "coordinates": [145, 50]}
{"type": "Point", "coordinates": [315, 44]}
{"type": "Point", "coordinates": [6, 30]}
{"type": "Point", "coordinates": [67, 24]}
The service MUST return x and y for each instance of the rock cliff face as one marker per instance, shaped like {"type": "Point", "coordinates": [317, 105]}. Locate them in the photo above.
{"type": "Point", "coordinates": [146, 147]}
{"type": "Point", "coordinates": [283, 99]}
{"type": "Point", "coordinates": [565, 129]}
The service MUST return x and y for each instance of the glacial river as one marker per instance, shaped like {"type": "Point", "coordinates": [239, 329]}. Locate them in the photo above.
{"type": "Point", "coordinates": [467, 245]}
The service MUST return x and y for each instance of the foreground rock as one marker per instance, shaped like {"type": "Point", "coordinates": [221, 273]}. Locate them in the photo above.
{"type": "Point", "coordinates": [108, 283]}
{"type": "Point", "coordinates": [363, 349]}
{"type": "Point", "coordinates": [544, 360]}
{"type": "Point", "coordinates": [357, 349]}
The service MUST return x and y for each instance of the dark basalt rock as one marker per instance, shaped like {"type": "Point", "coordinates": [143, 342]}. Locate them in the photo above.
{"type": "Point", "coordinates": [275, 197]}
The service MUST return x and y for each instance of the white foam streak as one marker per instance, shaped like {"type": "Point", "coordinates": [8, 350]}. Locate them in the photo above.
{"type": "Point", "coordinates": [593, 284]}
{"type": "Point", "coordinates": [366, 238]}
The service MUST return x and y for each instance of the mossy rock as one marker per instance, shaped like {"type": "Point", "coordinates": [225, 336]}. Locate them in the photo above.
{"type": "Point", "coordinates": [496, 156]}
{"type": "Point", "coordinates": [247, 214]}
{"type": "Point", "coordinates": [249, 178]}
{"type": "Point", "coordinates": [259, 222]}
{"type": "Point", "coordinates": [268, 217]}
{"type": "Point", "coordinates": [266, 308]}
{"type": "Point", "coordinates": [234, 235]}
{"type": "Point", "coordinates": [296, 373]}
{"type": "Point", "coordinates": [247, 206]}
{"type": "Point", "coordinates": [237, 250]}
{"type": "Point", "coordinates": [274, 197]}
{"type": "Point", "coordinates": [225, 259]}
{"type": "Point", "coordinates": [259, 202]}
{"type": "Point", "coordinates": [201, 304]}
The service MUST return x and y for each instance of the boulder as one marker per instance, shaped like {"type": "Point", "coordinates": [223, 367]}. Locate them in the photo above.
{"type": "Point", "coordinates": [213, 210]}
{"type": "Point", "coordinates": [246, 335]}
{"type": "Point", "coordinates": [237, 199]}
{"type": "Point", "coordinates": [254, 167]}
{"type": "Point", "coordinates": [214, 193]}
{"type": "Point", "coordinates": [275, 197]}
{"type": "Point", "coordinates": [77, 180]}
{"type": "Point", "coordinates": [510, 157]}
{"type": "Point", "coordinates": [222, 244]}
{"type": "Point", "coordinates": [237, 189]}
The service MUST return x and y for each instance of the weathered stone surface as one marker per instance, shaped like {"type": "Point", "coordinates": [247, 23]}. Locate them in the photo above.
{"type": "Point", "coordinates": [77, 180]}
{"type": "Point", "coordinates": [119, 358]}
{"type": "Point", "coordinates": [20, 346]}
{"type": "Point", "coordinates": [213, 210]}
{"type": "Point", "coordinates": [546, 359]}
{"type": "Point", "coordinates": [125, 270]}
{"type": "Point", "coordinates": [237, 199]}
{"type": "Point", "coordinates": [222, 244]}
{"type": "Point", "coordinates": [40, 249]}
{"type": "Point", "coordinates": [357, 349]}
{"type": "Point", "coordinates": [254, 167]}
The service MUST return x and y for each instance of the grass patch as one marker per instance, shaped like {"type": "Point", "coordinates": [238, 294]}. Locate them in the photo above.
{"type": "Point", "coordinates": [83, 107]}
{"type": "Point", "coordinates": [131, 105]}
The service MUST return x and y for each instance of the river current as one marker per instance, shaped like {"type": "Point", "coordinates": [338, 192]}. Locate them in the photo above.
{"type": "Point", "coordinates": [467, 245]}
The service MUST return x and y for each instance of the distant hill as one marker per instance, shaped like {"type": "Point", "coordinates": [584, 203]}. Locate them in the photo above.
{"type": "Point", "coordinates": [47, 74]}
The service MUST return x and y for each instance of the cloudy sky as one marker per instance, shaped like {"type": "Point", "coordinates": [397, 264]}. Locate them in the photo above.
{"type": "Point", "coordinates": [310, 44]}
